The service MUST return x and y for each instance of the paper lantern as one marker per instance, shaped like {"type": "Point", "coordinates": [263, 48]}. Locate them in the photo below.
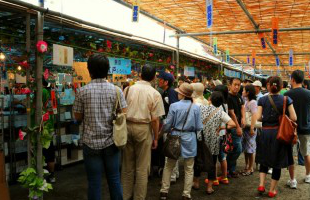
{"type": "Point", "coordinates": [42, 46]}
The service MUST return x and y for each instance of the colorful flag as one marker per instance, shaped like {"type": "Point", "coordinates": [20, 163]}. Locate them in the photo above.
{"type": "Point", "coordinates": [275, 30]}
{"type": "Point", "coordinates": [262, 40]}
{"type": "Point", "coordinates": [209, 13]}
{"type": "Point", "coordinates": [291, 57]}
{"type": "Point", "coordinates": [215, 45]}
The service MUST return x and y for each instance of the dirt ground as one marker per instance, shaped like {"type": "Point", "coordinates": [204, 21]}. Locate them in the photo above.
{"type": "Point", "coordinates": [72, 185]}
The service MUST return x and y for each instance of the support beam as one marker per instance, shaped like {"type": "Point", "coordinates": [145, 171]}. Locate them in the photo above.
{"type": "Point", "coordinates": [274, 65]}
{"type": "Point", "coordinates": [271, 54]}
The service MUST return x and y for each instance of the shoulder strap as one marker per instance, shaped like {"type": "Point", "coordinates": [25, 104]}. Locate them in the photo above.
{"type": "Point", "coordinates": [284, 104]}
{"type": "Point", "coordinates": [189, 109]}
{"type": "Point", "coordinates": [211, 115]}
{"type": "Point", "coordinates": [117, 102]}
{"type": "Point", "coordinates": [224, 108]}
{"type": "Point", "coordinates": [273, 104]}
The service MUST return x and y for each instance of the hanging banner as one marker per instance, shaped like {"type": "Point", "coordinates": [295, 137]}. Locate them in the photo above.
{"type": "Point", "coordinates": [82, 73]}
{"type": "Point", "coordinates": [227, 56]}
{"type": "Point", "coordinates": [277, 61]}
{"type": "Point", "coordinates": [291, 57]}
{"type": "Point", "coordinates": [189, 71]}
{"type": "Point", "coordinates": [62, 55]}
{"type": "Point", "coordinates": [119, 66]}
{"type": "Point", "coordinates": [253, 57]}
{"type": "Point", "coordinates": [215, 45]}
{"type": "Point", "coordinates": [262, 40]}
{"type": "Point", "coordinates": [275, 30]}
{"type": "Point", "coordinates": [135, 11]}
{"type": "Point", "coordinates": [248, 59]}
{"type": "Point", "coordinates": [209, 13]}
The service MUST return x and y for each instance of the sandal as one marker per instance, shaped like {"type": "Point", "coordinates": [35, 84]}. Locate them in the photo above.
{"type": "Point", "coordinates": [247, 173]}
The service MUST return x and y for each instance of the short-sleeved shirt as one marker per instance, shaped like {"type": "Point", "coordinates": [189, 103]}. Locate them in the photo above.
{"type": "Point", "coordinates": [211, 127]}
{"type": "Point", "coordinates": [96, 101]}
{"type": "Point", "coordinates": [144, 103]}
{"type": "Point", "coordinates": [251, 106]}
{"type": "Point", "coordinates": [235, 102]}
{"type": "Point", "coordinates": [301, 101]}
{"type": "Point", "coordinates": [269, 116]}
{"type": "Point", "coordinates": [169, 97]}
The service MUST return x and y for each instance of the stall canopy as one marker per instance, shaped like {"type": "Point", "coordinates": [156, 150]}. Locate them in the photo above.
{"type": "Point", "coordinates": [236, 24]}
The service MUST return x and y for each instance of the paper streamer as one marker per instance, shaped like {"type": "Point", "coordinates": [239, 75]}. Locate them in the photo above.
{"type": "Point", "coordinates": [135, 11]}
{"type": "Point", "coordinates": [291, 57]}
{"type": "Point", "coordinates": [262, 40]}
{"type": "Point", "coordinates": [209, 13]}
{"type": "Point", "coordinates": [253, 57]}
{"type": "Point", "coordinates": [227, 56]}
{"type": "Point", "coordinates": [215, 45]}
{"type": "Point", "coordinates": [275, 30]}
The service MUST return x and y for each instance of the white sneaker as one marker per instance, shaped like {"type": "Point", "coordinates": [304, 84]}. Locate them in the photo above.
{"type": "Point", "coordinates": [292, 184]}
{"type": "Point", "coordinates": [307, 179]}
{"type": "Point", "coordinates": [270, 171]}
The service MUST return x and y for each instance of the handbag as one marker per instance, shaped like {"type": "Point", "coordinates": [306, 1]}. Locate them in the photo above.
{"type": "Point", "coordinates": [204, 158]}
{"type": "Point", "coordinates": [248, 121]}
{"type": "Point", "coordinates": [119, 124]}
{"type": "Point", "coordinates": [287, 132]}
{"type": "Point", "coordinates": [227, 145]}
{"type": "Point", "coordinates": [172, 145]}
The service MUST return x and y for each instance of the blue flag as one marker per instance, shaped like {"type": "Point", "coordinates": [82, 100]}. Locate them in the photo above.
{"type": "Point", "coordinates": [209, 13]}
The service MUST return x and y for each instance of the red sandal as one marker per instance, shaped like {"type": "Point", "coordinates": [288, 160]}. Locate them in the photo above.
{"type": "Point", "coordinates": [261, 189]}
{"type": "Point", "coordinates": [272, 195]}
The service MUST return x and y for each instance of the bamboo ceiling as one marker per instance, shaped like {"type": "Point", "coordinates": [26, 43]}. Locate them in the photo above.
{"type": "Point", "coordinates": [190, 16]}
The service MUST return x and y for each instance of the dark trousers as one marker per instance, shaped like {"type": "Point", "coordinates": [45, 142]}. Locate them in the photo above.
{"type": "Point", "coordinates": [276, 173]}
{"type": "Point", "coordinates": [96, 161]}
{"type": "Point", "coordinates": [211, 174]}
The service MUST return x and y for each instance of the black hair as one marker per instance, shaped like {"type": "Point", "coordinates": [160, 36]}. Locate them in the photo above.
{"type": "Point", "coordinates": [285, 84]}
{"type": "Point", "coordinates": [241, 90]}
{"type": "Point", "coordinates": [188, 98]}
{"type": "Point", "coordinates": [232, 80]}
{"type": "Point", "coordinates": [298, 76]}
{"type": "Point", "coordinates": [275, 84]}
{"type": "Point", "coordinates": [98, 66]}
{"type": "Point", "coordinates": [268, 79]}
{"type": "Point", "coordinates": [264, 83]}
{"type": "Point", "coordinates": [224, 90]}
{"type": "Point", "coordinates": [148, 73]}
{"type": "Point", "coordinates": [252, 93]}
{"type": "Point", "coordinates": [217, 98]}
{"type": "Point", "coordinates": [307, 84]}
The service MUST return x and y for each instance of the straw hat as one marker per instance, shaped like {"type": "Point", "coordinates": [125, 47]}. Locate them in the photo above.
{"type": "Point", "coordinates": [198, 89]}
{"type": "Point", "coordinates": [186, 90]}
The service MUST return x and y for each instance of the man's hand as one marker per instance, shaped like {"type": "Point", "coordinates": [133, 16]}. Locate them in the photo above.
{"type": "Point", "coordinates": [252, 132]}
{"type": "Point", "coordinates": [154, 145]}
{"type": "Point", "coordinates": [239, 131]}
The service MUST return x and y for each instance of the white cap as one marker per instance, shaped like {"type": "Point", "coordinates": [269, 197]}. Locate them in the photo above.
{"type": "Point", "coordinates": [257, 83]}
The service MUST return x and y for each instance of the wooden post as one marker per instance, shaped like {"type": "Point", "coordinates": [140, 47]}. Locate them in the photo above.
{"type": "Point", "coordinates": [38, 111]}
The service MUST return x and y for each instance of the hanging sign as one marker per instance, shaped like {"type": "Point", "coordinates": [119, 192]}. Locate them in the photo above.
{"type": "Point", "coordinates": [277, 61]}
{"type": "Point", "coordinates": [119, 66]}
{"type": "Point", "coordinates": [209, 13]}
{"type": "Point", "coordinates": [62, 55]}
{"type": "Point", "coordinates": [227, 55]}
{"type": "Point", "coordinates": [291, 57]}
{"type": "Point", "coordinates": [275, 30]}
{"type": "Point", "coordinates": [189, 71]}
{"type": "Point", "coordinates": [54, 101]}
{"type": "Point", "coordinates": [82, 73]}
{"type": "Point", "coordinates": [248, 59]}
{"type": "Point", "coordinates": [135, 11]}
{"type": "Point", "coordinates": [215, 45]}
{"type": "Point", "coordinates": [262, 40]}
{"type": "Point", "coordinates": [253, 57]}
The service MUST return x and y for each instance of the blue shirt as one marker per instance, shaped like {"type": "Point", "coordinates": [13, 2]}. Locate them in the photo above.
{"type": "Point", "coordinates": [259, 95]}
{"type": "Point", "coordinates": [175, 120]}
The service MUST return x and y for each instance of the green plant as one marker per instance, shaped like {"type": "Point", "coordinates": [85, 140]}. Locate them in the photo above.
{"type": "Point", "coordinates": [29, 179]}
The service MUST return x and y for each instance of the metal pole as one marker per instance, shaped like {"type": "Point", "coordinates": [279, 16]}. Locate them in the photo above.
{"type": "Point", "coordinates": [39, 72]}
{"type": "Point", "coordinates": [178, 58]}
{"type": "Point", "coordinates": [28, 43]}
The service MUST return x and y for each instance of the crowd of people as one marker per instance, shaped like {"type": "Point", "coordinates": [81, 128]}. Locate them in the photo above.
{"type": "Point", "coordinates": [152, 114]}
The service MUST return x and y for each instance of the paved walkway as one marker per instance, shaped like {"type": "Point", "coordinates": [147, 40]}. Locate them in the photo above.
{"type": "Point", "coordinates": [72, 185]}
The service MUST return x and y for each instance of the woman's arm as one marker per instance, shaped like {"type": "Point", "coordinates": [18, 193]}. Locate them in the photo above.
{"type": "Point", "coordinates": [231, 124]}
{"type": "Point", "coordinates": [259, 113]}
{"type": "Point", "coordinates": [292, 113]}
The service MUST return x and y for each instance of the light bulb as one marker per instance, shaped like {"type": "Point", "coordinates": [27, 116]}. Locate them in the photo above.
{"type": "Point", "coordinates": [2, 56]}
{"type": "Point", "coordinates": [19, 68]}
